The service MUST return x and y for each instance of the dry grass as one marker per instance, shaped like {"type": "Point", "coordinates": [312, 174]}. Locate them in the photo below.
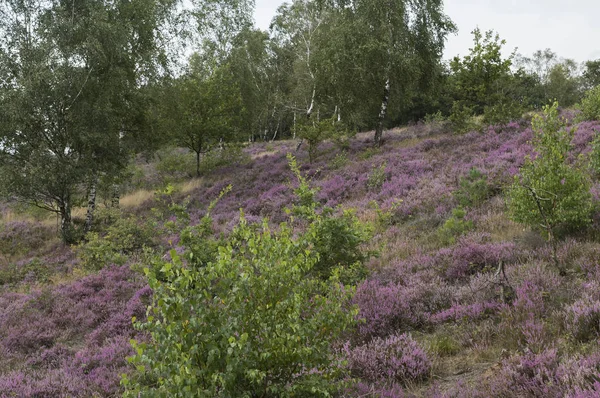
{"type": "Point", "coordinates": [135, 199]}
{"type": "Point", "coordinates": [13, 216]}
{"type": "Point", "coordinates": [191, 185]}
{"type": "Point", "coordinates": [263, 154]}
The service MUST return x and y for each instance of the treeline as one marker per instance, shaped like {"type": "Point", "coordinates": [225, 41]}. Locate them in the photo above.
{"type": "Point", "coordinates": [87, 84]}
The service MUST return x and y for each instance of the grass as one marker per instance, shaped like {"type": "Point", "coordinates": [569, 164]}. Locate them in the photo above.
{"type": "Point", "coordinates": [136, 198]}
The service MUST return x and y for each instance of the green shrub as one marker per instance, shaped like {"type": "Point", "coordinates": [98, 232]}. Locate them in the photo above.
{"type": "Point", "coordinates": [550, 193]}
{"type": "Point", "coordinates": [473, 189]}
{"type": "Point", "coordinates": [337, 238]}
{"type": "Point", "coordinates": [385, 218]}
{"type": "Point", "coordinates": [462, 118]}
{"type": "Point", "coordinates": [377, 177]}
{"type": "Point", "coordinates": [315, 132]}
{"type": "Point", "coordinates": [250, 321]}
{"type": "Point", "coordinates": [340, 161]}
{"type": "Point", "coordinates": [124, 237]}
{"type": "Point", "coordinates": [590, 105]}
{"type": "Point", "coordinates": [454, 227]}
{"type": "Point", "coordinates": [594, 159]}
{"type": "Point", "coordinates": [216, 158]}
{"type": "Point", "coordinates": [434, 118]}
{"type": "Point", "coordinates": [444, 345]}
{"type": "Point", "coordinates": [502, 112]}
{"type": "Point", "coordinates": [175, 164]}
{"type": "Point", "coordinates": [34, 270]}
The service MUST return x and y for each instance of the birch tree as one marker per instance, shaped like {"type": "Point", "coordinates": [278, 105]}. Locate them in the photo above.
{"type": "Point", "coordinates": [69, 84]}
{"type": "Point", "coordinates": [392, 48]}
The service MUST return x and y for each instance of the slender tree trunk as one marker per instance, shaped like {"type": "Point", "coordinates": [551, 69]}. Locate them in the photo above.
{"type": "Point", "coordinates": [89, 218]}
{"type": "Point", "coordinates": [294, 125]}
{"type": "Point", "coordinates": [197, 163]}
{"type": "Point", "coordinates": [276, 130]}
{"type": "Point", "coordinates": [66, 224]}
{"type": "Point", "coordinates": [382, 113]}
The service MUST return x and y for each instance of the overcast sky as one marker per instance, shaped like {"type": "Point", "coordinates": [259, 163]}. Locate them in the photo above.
{"type": "Point", "coordinates": [569, 28]}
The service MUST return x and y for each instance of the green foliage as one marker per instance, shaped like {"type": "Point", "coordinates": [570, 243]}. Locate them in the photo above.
{"type": "Point", "coordinates": [245, 319]}
{"type": "Point", "coordinates": [228, 155]}
{"type": "Point", "coordinates": [337, 238]}
{"type": "Point", "coordinates": [590, 105]}
{"type": "Point", "coordinates": [175, 165]}
{"type": "Point", "coordinates": [482, 82]}
{"type": "Point", "coordinates": [595, 156]}
{"type": "Point", "coordinates": [454, 227]}
{"type": "Point", "coordinates": [502, 112]}
{"type": "Point", "coordinates": [563, 83]}
{"type": "Point", "coordinates": [549, 192]}
{"type": "Point", "coordinates": [473, 189]}
{"type": "Point", "coordinates": [462, 118]}
{"type": "Point", "coordinates": [436, 118]}
{"type": "Point", "coordinates": [340, 161]}
{"type": "Point", "coordinates": [377, 177]}
{"type": "Point", "coordinates": [591, 74]}
{"type": "Point", "coordinates": [201, 109]}
{"type": "Point", "coordinates": [33, 270]}
{"type": "Point", "coordinates": [315, 132]}
{"type": "Point", "coordinates": [72, 108]}
{"type": "Point", "coordinates": [369, 153]}
{"type": "Point", "coordinates": [444, 345]}
{"type": "Point", "coordinates": [385, 218]}
{"type": "Point", "coordinates": [124, 237]}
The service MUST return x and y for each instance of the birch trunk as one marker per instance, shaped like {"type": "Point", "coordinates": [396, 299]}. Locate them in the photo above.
{"type": "Point", "coordinates": [382, 113]}
{"type": "Point", "coordinates": [66, 224]}
{"type": "Point", "coordinates": [91, 208]}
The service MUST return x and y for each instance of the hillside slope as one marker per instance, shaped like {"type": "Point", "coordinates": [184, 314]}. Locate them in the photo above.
{"type": "Point", "coordinates": [526, 331]}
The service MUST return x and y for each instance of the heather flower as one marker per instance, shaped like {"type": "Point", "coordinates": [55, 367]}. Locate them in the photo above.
{"type": "Point", "coordinates": [394, 358]}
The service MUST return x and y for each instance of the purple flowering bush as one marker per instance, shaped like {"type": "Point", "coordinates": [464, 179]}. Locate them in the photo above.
{"type": "Point", "coordinates": [396, 357]}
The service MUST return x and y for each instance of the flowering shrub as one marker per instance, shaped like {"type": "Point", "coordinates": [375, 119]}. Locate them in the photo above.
{"type": "Point", "coordinates": [396, 358]}
{"type": "Point", "coordinates": [582, 319]}
{"type": "Point", "coordinates": [20, 237]}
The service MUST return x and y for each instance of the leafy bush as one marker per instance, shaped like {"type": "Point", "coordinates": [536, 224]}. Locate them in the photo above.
{"type": "Point", "coordinates": [263, 308]}
{"type": "Point", "coordinates": [473, 189]}
{"type": "Point", "coordinates": [175, 163]}
{"type": "Point", "coordinates": [340, 160]}
{"type": "Point", "coordinates": [377, 177]}
{"type": "Point", "coordinates": [590, 105]}
{"type": "Point", "coordinates": [338, 239]}
{"type": "Point", "coordinates": [250, 322]}
{"type": "Point", "coordinates": [595, 156]}
{"type": "Point", "coordinates": [549, 192]}
{"type": "Point", "coordinates": [126, 236]}
{"type": "Point", "coordinates": [454, 227]}
{"type": "Point", "coordinates": [34, 270]}
{"type": "Point", "coordinates": [316, 132]}
{"type": "Point", "coordinates": [434, 118]}
{"type": "Point", "coordinates": [394, 358]}
{"type": "Point", "coordinates": [462, 119]}
{"type": "Point", "coordinates": [502, 112]}
{"type": "Point", "coordinates": [221, 157]}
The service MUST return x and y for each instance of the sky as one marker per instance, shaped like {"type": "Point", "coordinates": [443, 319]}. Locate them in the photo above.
{"type": "Point", "coordinates": [569, 28]}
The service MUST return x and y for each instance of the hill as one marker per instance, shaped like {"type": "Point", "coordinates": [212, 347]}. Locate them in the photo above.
{"type": "Point", "coordinates": [460, 300]}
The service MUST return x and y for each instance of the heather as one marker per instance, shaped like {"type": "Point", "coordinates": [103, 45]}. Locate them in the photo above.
{"type": "Point", "coordinates": [453, 298]}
